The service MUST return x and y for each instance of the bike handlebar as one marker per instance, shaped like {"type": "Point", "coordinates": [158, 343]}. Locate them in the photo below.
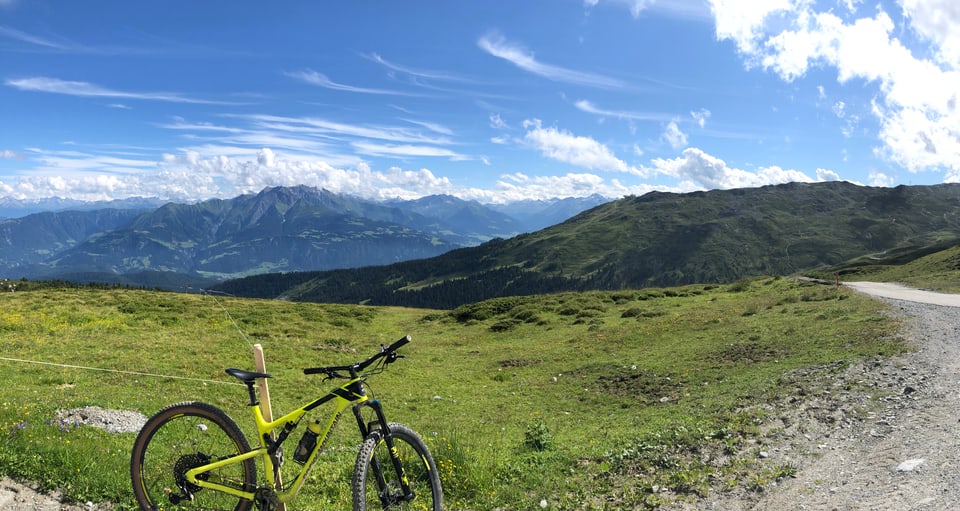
{"type": "Point", "coordinates": [385, 351]}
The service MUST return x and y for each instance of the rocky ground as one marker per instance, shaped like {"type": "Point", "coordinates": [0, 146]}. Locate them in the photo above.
{"type": "Point", "coordinates": [18, 496]}
{"type": "Point", "coordinates": [850, 453]}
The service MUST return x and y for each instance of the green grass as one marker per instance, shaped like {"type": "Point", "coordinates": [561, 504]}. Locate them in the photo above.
{"type": "Point", "coordinates": [584, 400]}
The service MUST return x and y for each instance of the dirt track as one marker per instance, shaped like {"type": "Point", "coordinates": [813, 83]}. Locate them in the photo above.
{"type": "Point", "coordinates": [904, 456]}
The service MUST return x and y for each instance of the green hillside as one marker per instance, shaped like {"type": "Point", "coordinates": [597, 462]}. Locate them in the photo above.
{"type": "Point", "coordinates": [659, 239]}
{"type": "Point", "coordinates": [618, 400]}
{"type": "Point", "coordinates": [935, 267]}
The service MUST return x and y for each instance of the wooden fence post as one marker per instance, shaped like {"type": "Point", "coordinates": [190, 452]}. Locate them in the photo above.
{"type": "Point", "coordinates": [265, 408]}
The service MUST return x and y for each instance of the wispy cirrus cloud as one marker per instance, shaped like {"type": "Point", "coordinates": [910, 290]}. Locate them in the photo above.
{"type": "Point", "coordinates": [427, 74]}
{"type": "Point", "coordinates": [498, 46]}
{"type": "Point", "coordinates": [321, 80]}
{"type": "Point", "coordinates": [590, 108]}
{"type": "Point", "coordinates": [407, 150]}
{"type": "Point", "coordinates": [87, 89]}
{"type": "Point", "coordinates": [19, 35]}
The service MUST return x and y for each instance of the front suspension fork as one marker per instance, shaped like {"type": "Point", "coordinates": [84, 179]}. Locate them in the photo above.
{"type": "Point", "coordinates": [380, 423]}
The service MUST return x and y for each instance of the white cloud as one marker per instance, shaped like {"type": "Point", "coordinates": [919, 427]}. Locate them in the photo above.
{"type": "Point", "coordinates": [937, 21]}
{"type": "Point", "coordinates": [7, 154]}
{"type": "Point", "coordinates": [916, 106]}
{"type": "Point", "coordinates": [497, 122]}
{"type": "Point", "coordinates": [519, 186]}
{"type": "Point", "coordinates": [743, 21]}
{"type": "Point", "coordinates": [673, 136]}
{"type": "Point", "coordinates": [29, 38]}
{"type": "Point", "coordinates": [587, 106]}
{"type": "Point", "coordinates": [710, 172]}
{"type": "Point", "coordinates": [319, 79]}
{"type": "Point", "coordinates": [701, 116]}
{"type": "Point", "coordinates": [880, 179]}
{"type": "Point", "coordinates": [405, 150]}
{"type": "Point", "coordinates": [576, 150]}
{"type": "Point", "coordinates": [86, 89]}
{"type": "Point", "coordinates": [496, 45]}
{"type": "Point", "coordinates": [827, 175]}
{"type": "Point", "coordinates": [419, 73]}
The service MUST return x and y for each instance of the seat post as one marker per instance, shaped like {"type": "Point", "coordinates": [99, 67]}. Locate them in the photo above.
{"type": "Point", "coordinates": [252, 392]}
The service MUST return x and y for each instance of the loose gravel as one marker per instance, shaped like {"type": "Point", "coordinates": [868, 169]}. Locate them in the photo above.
{"type": "Point", "coordinates": [882, 434]}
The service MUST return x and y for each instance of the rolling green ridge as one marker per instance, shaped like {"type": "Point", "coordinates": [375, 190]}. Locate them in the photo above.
{"type": "Point", "coordinates": [656, 240]}
{"type": "Point", "coordinates": [621, 399]}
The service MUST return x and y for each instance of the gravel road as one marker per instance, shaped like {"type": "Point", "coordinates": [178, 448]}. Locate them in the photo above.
{"type": "Point", "coordinates": [850, 455]}
{"type": "Point", "coordinates": [904, 455]}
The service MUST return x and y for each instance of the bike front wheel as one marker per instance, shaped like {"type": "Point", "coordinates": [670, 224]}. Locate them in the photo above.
{"type": "Point", "coordinates": [185, 436]}
{"type": "Point", "coordinates": [376, 484]}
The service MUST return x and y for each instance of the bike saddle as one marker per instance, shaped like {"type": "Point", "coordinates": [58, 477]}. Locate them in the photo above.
{"type": "Point", "coordinates": [246, 376]}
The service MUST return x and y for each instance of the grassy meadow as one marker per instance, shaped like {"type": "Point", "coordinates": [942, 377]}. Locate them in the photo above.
{"type": "Point", "coordinates": [577, 401]}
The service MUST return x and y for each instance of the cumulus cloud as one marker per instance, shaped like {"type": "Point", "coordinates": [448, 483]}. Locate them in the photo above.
{"type": "Point", "coordinates": [827, 175]}
{"type": "Point", "coordinates": [711, 172]}
{"type": "Point", "coordinates": [673, 136]}
{"type": "Point", "coordinates": [937, 21]}
{"type": "Point", "coordinates": [880, 179]}
{"type": "Point", "coordinates": [519, 186]}
{"type": "Point", "coordinates": [917, 102]}
{"type": "Point", "coordinates": [576, 150]}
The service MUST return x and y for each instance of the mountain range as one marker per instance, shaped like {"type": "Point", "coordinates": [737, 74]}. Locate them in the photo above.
{"type": "Point", "coordinates": [658, 239]}
{"type": "Point", "coordinates": [280, 229]}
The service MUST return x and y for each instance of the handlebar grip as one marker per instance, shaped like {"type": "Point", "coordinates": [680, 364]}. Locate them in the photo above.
{"type": "Point", "coordinates": [314, 370]}
{"type": "Point", "coordinates": [398, 344]}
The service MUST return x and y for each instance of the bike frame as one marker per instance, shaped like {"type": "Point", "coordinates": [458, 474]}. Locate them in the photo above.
{"type": "Point", "coordinates": [350, 394]}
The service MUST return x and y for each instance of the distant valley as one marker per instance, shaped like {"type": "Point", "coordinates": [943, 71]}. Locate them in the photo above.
{"type": "Point", "coordinates": [284, 229]}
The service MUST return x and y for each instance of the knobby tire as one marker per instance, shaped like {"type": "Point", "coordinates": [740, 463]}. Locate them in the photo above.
{"type": "Point", "coordinates": [418, 464]}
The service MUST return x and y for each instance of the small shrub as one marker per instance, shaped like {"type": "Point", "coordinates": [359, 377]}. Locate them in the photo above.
{"type": "Point", "coordinates": [538, 436]}
{"type": "Point", "coordinates": [504, 325]}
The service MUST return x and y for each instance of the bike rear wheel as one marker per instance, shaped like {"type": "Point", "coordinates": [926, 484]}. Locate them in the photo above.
{"type": "Point", "coordinates": [181, 437]}
{"type": "Point", "coordinates": [374, 462]}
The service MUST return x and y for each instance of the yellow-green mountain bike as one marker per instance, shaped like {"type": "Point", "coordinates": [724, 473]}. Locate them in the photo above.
{"type": "Point", "coordinates": [194, 456]}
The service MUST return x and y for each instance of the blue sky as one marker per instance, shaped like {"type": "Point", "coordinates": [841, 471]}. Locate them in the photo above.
{"type": "Point", "coordinates": [494, 101]}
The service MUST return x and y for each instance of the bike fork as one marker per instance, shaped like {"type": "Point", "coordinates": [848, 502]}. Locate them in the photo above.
{"type": "Point", "coordinates": [381, 423]}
